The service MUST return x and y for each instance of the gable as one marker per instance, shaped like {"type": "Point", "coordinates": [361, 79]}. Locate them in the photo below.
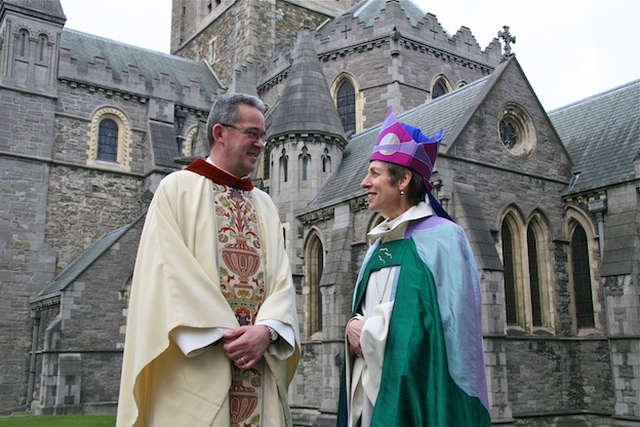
{"type": "Point", "coordinates": [536, 149]}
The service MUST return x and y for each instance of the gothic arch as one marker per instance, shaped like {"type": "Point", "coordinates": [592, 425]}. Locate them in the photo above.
{"type": "Point", "coordinates": [122, 160]}
{"type": "Point", "coordinates": [326, 161]}
{"type": "Point", "coordinates": [440, 85]}
{"type": "Point", "coordinates": [541, 272]}
{"type": "Point", "coordinates": [374, 221]}
{"type": "Point", "coordinates": [312, 293]}
{"type": "Point", "coordinates": [512, 244]}
{"type": "Point", "coordinates": [582, 267]}
{"type": "Point", "coordinates": [349, 107]}
{"type": "Point", "coordinates": [284, 167]}
{"type": "Point", "coordinates": [304, 164]}
{"type": "Point", "coordinates": [190, 141]}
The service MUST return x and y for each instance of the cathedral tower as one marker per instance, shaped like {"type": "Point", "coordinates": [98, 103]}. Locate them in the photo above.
{"type": "Point", "coordinates": [237, 37]}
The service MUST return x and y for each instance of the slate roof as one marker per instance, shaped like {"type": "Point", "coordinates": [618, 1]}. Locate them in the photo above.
{"type": "Point", "coordinates": [44, 9]}
{"type": "Point", "coordinates": [306, 104]}
{"type": "Point", "coordinates": [163, 144]}
{"type": "Point", "coordinates": [470, 217]}
{"type": "Point", "coordinates": [369, 11]}
{"type": "Point", "coordinates": [442, 113]}
{"type": "Point", "coordinates": [80, 264]}
{"type": "Point", "coordinates": [84, 48]}
{"type": "Point", "coordinates": [602, 135]}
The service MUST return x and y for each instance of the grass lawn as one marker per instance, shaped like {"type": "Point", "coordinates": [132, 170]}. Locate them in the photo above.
{"type": "Point", "coordinates": [58, 421]}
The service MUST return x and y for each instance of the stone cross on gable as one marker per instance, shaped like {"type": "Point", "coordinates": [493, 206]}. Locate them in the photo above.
{"type": "Point", "coordinates": [508, 39]}
{"type": "Point", "coordinates": [345, 31]}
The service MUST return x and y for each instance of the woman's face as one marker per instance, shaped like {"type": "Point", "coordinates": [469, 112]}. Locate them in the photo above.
{"type": "Point", "coordinates": [383, 197]}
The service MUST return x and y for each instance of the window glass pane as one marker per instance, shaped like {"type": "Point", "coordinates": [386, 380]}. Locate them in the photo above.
{"type": "Point", "coordinates": [347, 106]}
{"type": "Point", "coordinates": [108, 140]}
{"type": "Point", "coordinates": [509, 275]}
{"type": "Point", "coordinates": [305, 165]}
{"type": "Point", "coordinates": [438, 90]}
{"type": "Point", "coordinates": [582, 279]}
{"type": "Point", "coordinates": [22, 44]}
{"type": "Point", "coordinates": [534, 277]}
{"type": "Point", "coordinates": [319, 260]}
{"type": "Point", "coordinates": [284, 168]}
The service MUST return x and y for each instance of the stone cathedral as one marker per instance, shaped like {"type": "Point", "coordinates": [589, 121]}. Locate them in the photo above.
{"type": "Point", "coordinates": [549, 199]}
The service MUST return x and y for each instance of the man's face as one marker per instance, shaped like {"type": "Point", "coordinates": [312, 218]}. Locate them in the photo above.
{"type": "Point", "coordinates": [242, 142]}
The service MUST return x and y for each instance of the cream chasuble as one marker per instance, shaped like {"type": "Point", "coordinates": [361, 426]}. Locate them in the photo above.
{"type": "Point", "coordinates": [200, 267]}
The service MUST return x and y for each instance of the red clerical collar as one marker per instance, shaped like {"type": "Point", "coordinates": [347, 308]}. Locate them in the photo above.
{"type": "Point", "coordinates": [217, 175]}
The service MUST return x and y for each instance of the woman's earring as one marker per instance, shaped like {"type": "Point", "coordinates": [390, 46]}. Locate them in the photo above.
{"type": "Point", "coordinates": [402, 192]}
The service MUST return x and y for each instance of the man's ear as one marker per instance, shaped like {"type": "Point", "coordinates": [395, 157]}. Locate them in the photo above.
{"type": "Point", "coordinates": [217, 132]}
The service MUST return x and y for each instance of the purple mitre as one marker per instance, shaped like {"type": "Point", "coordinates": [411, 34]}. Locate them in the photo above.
{"type": "Point", "coordinates": [405, 145]}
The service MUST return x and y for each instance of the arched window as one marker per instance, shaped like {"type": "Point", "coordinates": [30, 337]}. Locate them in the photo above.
{"type": "Point", "coordinates": [305, 167]}
{"type": "Point", "coordinates": [42, 48]}
{"type": "Point", "coordinates": [528, 273]}
{"type": "Point", "coordinates": [23, 40]}
{"type": "Point", "coordinates": [375, 221]}
{"type": "Point", "coordinates": [304, 161]}
{"type": "Point", "coordinates": [438, 90]}
{"type": "Point", "coordinates": [109, 143]}
{"type": "Point", "coordinates": [440, 86]}
{"type": "Point", "coordinates": [108, 140]}
{"type": "Point", "coordinates": [313, 301]}
{"type": "Point", "coordinates": [534, 277]}
{"type": "Point", "coordinates": [510, 296]}
{"type": "Point", "coordinates": [346, 102]}
{"type": "Point", "coordinates": [582, 278]}
{"type": "Point", "coordinates": [284, 166]}
{"type": "Point", "coordinates": [326, 161]}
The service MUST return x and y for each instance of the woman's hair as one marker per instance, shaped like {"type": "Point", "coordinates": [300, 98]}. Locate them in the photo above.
{"type": "Point", "coordinates": [416, 190]}
{"type": "Point", "coordinates": [225, 111]}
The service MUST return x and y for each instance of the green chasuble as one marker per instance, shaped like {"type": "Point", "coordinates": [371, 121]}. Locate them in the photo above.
{"type": "Point", "coordinates": [416, 388]}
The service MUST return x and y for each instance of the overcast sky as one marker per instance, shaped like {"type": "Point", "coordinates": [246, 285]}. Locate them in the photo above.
{"type": "Point", "coordinates": [568, 49]}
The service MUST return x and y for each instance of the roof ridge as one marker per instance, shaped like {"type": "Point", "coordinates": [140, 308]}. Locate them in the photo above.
{"type": "Point", "coordinates": [591, 98]}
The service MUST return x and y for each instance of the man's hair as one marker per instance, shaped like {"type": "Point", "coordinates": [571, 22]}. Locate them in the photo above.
{"type": "Point", "coordinates": [416, 190]}
{"type": "Point", "coordinates": [225, 111]}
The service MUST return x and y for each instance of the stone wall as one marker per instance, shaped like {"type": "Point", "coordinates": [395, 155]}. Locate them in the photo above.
{"type": "Point", "coordinates": [26, 260]}
{"type": "Point", "coordinates": [91, 322]}
{"type": "Point", "coordinates": [553, 376]}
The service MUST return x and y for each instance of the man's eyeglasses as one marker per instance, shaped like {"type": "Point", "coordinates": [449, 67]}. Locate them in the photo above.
{"type": "Point", "coordinates": [252, 133]}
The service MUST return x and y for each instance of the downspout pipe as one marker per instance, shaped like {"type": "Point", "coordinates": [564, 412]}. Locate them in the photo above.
{"type": "Point", "coordinates": [599, 208]}
{"type": "Point", "coordinates": [35, 314]}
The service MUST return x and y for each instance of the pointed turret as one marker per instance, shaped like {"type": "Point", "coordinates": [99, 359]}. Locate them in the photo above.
{"type": "Point", "coordinates": [305, 142]}
{"type": "Point", "coordinates": [306, 104]}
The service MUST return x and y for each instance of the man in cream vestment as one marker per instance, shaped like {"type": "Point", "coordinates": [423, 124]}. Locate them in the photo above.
{"type": "Point", "coordinates": [212, 334]}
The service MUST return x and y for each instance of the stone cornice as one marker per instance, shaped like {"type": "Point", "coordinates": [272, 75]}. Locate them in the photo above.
{"type": "Point", "coordinates": [407, 43]}
{"type": "Point", "coordinates": [366, 45]}
{"type": "Point", "coordinates": [358, 204]}
{"type": "Point", "coordinates": [273, 80]}
{"type": "Point", "coordinates": [306, 137]}
{"type": "Point", "coordinates": [110, 93]}
{"type": "Point", "coordinates": [317, 216]}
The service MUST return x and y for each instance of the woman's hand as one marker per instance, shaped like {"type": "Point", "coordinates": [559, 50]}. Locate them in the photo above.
{"type": "Point", "coordinates": [354, 329]}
